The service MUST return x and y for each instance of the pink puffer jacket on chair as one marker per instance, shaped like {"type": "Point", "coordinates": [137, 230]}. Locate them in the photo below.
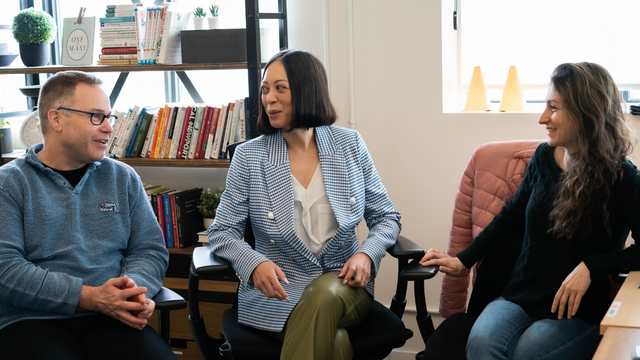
{"type": "Point", "coordinates": [491, 178]}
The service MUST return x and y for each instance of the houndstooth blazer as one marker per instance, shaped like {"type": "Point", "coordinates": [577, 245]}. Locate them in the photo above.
{"type": "Point", "coordinates": [259, 185]}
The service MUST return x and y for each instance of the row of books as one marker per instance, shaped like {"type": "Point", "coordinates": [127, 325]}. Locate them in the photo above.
{"type": "Point", "coordinates": [143, 36]}
{"type": "Point", "coordinates": [118, 35]}
{"type": "Point", "coordinates": [177, 214]}
{"type": "Point", "coordinates": [179, 132]}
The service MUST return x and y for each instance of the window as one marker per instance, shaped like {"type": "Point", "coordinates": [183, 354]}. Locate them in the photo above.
{"type": "Point", "coordinates": [538, 36]}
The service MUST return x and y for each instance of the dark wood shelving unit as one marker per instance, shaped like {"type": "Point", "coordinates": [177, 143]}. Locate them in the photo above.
{"type": "Point", "coordinates": [51, 69]}
{"type": "Point", "coordinates": [194, 163]}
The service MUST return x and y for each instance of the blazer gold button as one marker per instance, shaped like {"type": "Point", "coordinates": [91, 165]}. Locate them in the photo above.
{"type": "Point", "coordinates": [352, 200]}
{"type": "Point", "coordinates": [272, 241]}
{"type": "Point", "coordinates": [270, 215]}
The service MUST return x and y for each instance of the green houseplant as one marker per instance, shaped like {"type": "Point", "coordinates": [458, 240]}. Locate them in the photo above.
{"type": "Point", "coordinates": [199, 19]}
{"type": "Point", "coordinates": [209, 201]}
{"type": "Point", "coordinates": [34, 30]}
{"type": "Point", "coordinates": [214, 10]}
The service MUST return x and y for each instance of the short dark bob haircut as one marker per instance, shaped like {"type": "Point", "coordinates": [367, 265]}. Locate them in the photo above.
{"type": "Point", "coordinates": [309, 92]}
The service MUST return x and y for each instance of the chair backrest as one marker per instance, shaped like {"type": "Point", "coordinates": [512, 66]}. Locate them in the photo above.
{"type": "Point", "coordinates": [249, 237]}
{"type": "Point", "coordinates": [491, 178]}
{"type": "Point", "coordinates": [248, 230]}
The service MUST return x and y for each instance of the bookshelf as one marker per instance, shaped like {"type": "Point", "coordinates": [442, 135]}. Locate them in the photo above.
{"type": "Point", "coordinates": [194, 163]}
{"type": "Point", "coordinates": [52, 69]}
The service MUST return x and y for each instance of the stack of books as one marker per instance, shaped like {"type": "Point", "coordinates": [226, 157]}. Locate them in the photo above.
{"type": "Point", "coordinates": [118, 35]}
{"type": "Point", "coordinates": [177, 214]}
{"type": "Point", "coordinates": [178, 132]}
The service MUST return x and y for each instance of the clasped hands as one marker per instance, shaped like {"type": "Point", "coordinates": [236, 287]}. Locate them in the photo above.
{"type": "Point", "coordinates": [567, 298]}
{"type": "Point", "coordinates": [266, 277]}
{"type": "Point", "coordinates": [120, 299]}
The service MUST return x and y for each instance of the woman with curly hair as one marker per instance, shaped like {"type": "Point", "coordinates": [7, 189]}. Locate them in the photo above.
{"type": "Point", "coordinates": [578, 200]}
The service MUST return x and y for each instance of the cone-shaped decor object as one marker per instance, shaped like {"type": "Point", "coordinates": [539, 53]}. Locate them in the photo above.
{"type": "Point", "coordinates": [477, 94]}
{"type": "Point", "coordinates": [512, 97]}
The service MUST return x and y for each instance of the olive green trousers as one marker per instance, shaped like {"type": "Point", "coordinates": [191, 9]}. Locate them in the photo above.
{"type": "Point", "coordinates": [316, 328]}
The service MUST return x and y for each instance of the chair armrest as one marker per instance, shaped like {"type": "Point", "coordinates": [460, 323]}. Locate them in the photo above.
{"type": "Point", "coordinates": [204, 262]}
{"type": "Point", "coordinates": [414, 271]}
{"type": "Point", "coordinates": [620, 278]}
{"type": "Point", "coordinates": [405, 248]}
{"type": "Point", "coordinates": [167, 299]}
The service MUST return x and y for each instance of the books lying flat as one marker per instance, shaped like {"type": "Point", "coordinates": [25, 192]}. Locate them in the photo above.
{"type": "Point", "coordinates": [117, 62]}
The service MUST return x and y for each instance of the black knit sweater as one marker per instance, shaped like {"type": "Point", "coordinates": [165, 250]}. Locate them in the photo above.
{"type": "Point", "coordinates": [546, 260]}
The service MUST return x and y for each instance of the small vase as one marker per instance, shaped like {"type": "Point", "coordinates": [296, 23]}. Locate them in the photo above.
{"type": "Point", "coordinates": [200, 23]}
{"type": "Point", "coordinates": [214, 22]}
{"type": "Point", "coordinates": [207, 222]}
{"type": "Point", "coordinates": [6, 144]}
{"type": "Point", "coordinates": [35, 54]}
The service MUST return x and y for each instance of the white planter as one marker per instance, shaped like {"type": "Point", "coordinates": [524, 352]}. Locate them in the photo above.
{"type": "Point", "coordinates": [214, 22]}
{"type": "Point", "coordinates": [200, 23]}
{"type": "Point", "coordinates": [207, 222]}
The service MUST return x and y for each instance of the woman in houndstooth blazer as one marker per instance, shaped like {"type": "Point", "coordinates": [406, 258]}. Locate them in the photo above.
{"type": "Point", "coordinates": [305, 185]}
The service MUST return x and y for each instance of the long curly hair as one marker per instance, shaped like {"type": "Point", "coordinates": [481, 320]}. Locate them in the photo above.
{"type": "Point", "coordinates": [594, 104]}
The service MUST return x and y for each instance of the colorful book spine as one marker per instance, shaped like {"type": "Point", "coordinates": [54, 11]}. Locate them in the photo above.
{"type": "Point", "coordinates": [227, 131]}
{"type": "Point", "coordinates": [188, 134]}
{"type": "Point", "coordinates": [166, 148]}
{"type": "Point", "coordinates": [117, 57]}
{"type": "Point", "coordinates": [159, 127]}
{"type": "Point", "coordinates": [118, 42]}
{"type": "Point", "coordinates": [197, 125]}
{"type": "Point", "coordinates": [163, 135]}
{"type": "Point", "coordinates": [176, 240]}
{"type": "Point", "coordinates": [161, 218]}
{"type": "Point", "coordinates": [177, 132]}
{"type": "Point", "coordinates": [134, 136]}
{"type": "Point", "coordinates": [185, 125]}
{"type": "Point", "coordinates": [152, 129]}
{"type": "Point", "coordinates": [212, 132]}
{"type": "Point", "coordinates": [139, 24]}
{"type": "Point", "coordinates": [117, 19]}
{"type": "Point", "coordinates": [168, 220]}
{"type": "Point", "coordinates": [119, 50]}
{"type": "Point", "coordinates": [204, 132]}
{"type": "Point", "coordinates": [215, 151]}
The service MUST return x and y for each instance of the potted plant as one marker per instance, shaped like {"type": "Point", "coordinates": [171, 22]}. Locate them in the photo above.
{"type": "Point", "coordinates": [213, 19]}
{"type": "Point", "coordinates": [6, 145]}
{"type": "Point", "coordinates": [34, 30]}
{"type": "Point", "coordinates": [209, 201]}
{"type": "Point", "coordinates": [199, 19]}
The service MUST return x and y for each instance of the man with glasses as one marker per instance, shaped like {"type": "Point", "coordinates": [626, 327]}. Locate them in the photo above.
{"type": "Point", "coordinates": [81, 253]}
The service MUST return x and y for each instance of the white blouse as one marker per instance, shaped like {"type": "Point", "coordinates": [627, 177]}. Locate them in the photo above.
{"type": "Point", "coordinates": [315, 222]}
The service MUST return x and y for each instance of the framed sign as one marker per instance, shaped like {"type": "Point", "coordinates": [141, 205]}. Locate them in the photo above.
{"type": "Point", "coordinates": [77, 41]}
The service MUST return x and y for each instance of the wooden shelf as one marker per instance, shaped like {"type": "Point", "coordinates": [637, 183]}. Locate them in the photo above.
{"type": "Point", "coordinates": [120, 68]}
{"type": "Point", "coordinates": [195, 163]}
{"type": "Point", "coordinates": [185, 251]}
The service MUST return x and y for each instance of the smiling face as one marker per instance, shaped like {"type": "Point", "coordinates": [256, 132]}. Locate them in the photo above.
{"type": "Point", "coordinates": [276, 96]}
{"type": "Point", "coordinates": [82, 141]}
{"type": "Point", "coordinates": [560, 129]}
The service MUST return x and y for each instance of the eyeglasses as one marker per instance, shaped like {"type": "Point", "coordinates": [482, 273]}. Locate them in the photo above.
{"type": "Point", "coordinates": [95, 117]}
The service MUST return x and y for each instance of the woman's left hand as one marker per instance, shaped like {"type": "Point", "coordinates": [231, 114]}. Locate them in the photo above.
{"type": "Point", "coordinates": [571, 291]}
{"type": "Point", "coordinates": [357, 271]}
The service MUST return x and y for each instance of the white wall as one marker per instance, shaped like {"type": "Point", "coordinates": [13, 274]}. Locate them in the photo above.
{"type": "Point", "coordinates": [391, 54]}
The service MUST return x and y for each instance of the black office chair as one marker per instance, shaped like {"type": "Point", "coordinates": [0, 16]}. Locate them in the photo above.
{"type": "Point", "coordinates": [378, 334]}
